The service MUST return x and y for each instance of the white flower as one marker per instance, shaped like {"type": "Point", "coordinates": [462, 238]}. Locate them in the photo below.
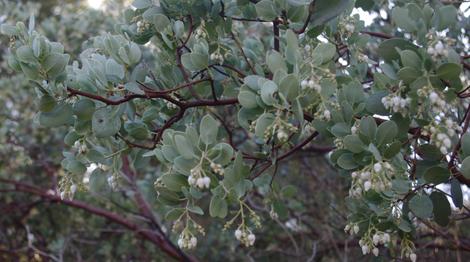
{"type": "Point", "coordinates": [353, 174]}
{"type": "Point", "coordinates": [311, 84]}
{"type": "Point", "coordinates": [386, 238]}
{"type": "Point", "coordinates": [304, 84]}
{"type": "Point", "coordinates": [207, 181]}
{"type": "Point", "coordinates": [281, 135]}
{"type": "Point", "coordinates": [327, 114]}
{"type": "Point", "coordinates": [181, 243]}
{"type": "Point", "coordinates": [353, 129]}
{"type": "Point", "coordinates": [200, 182]}
{"type": "Point", "coordinates": [365, 250]}
{"type": "Point", "coordinates": [433, 97]}
{"type": "Point", "coordinates": [367, 185]}
{"type": "Point", "coordinates": [251, 239]}
{"type": "Point", "coordinates": [375, 251]}
{"type": "Point", "coordinates": [443, 150]}
{"type": "Point", "coordinates": [365, 175]}
{"type": "Point", "coordinates": [307, 48]}
{"type": "Point", "coordinates": [238, 234]}
{"type": "Point", "coordinates": [413, 257]}
{"type": "Point", "coordinates": [376, 239]}
{"type": "Point", "coordinates": [439, 47]}
{"type": "Point", "coordinates": [349, 27]}
{"type": "Point", "coordinates": [447, 142]}
{"type": "Point", "coordinates": [191, 180]}
{"type": "Point", "coordinates": [193, 242]}
{"type": "Point", "coordinates": [356, 229]}
{"type": "Point", "coordinates": [73, 188]}
{"type": "Point", "coordinates": [441, 136]}
{"type": "Point", "coordinates": [377, 167]}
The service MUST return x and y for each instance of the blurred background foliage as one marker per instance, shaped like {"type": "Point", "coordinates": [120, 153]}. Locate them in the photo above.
{"type": "Point", "coordinates": [308, 225]}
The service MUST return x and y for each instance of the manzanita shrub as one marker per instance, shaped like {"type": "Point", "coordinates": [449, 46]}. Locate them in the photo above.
{"type": "Point", "coordinates": [390, 99]}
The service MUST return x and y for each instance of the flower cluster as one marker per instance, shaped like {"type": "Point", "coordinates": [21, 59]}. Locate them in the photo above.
{"type": "Point", "coordinates": [170, 105]}
{"type": "Point", "coordinates": [370, 243]}
{"type": "Point", "coordinates": [196, 178]}
{"type": "Point", "coordinates": [376, 177]}
{"type": "Point", "coordinates": [80, 147]}
{"type": "Point", "coordinates": [217, 168]}
{"type": "Point", "coordinates": [441, 135]}
{"type": "Point", "coordinates": [351, 228]}
{"type": "Point", "coordinates": [279, 127]}
{"type": "Point", "coordinates": [311, 84]}
{"type": "Point", "coordinates": [245, 236]}
{"type": "Point", "coordinates": [438, 105]}
{"type": "Point", "coordinates": [396, 103]}
{"type": "Point", "coordinates": [143, 26]}
{"type": "Point", "coordinates": [217, 57]}
{"type": "Point", "coordinates": [200, 33]}
{"type": "Point", "coordinates": [187, 240]}
{"type": "Point", "coordinates": [438, 49]}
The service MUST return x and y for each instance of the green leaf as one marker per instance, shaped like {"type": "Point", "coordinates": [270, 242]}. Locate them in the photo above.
{"type": "Point", "coordinates": [465, 168]}
{"type": "Point", "coordinates": [75, 167]}
{"type": "Point", "coordinates": [98, 181]}
{"type": "Point", "coordinates": [449, 71]}
{"type": "Point", "coordinates": [25, 54]}
{"type": "Point", "coordinates": [402, 19]}
{"type": "Point", "coordinates": [114, 69]}
{"type": "Point", "coordinates": [353, 143]}
{"type": "Point", "coordinates": [275, 61]}
{"type": "Point", "coordinates": [441, 208]}
{"type": "Point", "coordinates": [60, 115]}
{"type": "Point", "coordinates": [436, 175]}
{"type": "Point", "coordinates": [408, 74]}
{"type": "Point", "coordinates": [340, 129]}
{"type": "Point", "coordinates": [368, 127]}
{"type": "Point", "coordinates": [199, 61]}
{"type": "Point", "coordinates": [71, 137]}
{"type": "Point", "coordinates": [388, 48]}
{"type": "Point", "coordinates": [184, 147]}
{"type": "Point", "coordinates": [456, 193]}
{"type": "Point", "coordinates": [421, 206]}
{"type": "Point", "coordinates": [326, 10]}
{"type": "Point", "coordinates": [47, 103]}
{"type": "Point", "coordinates": [105, 123]}
{"type": "Point", "coordinates": [174, 182]}
{"type": "Point", "coordinates": [268, 91]}
{"type": "Point", "coordinates": [465, 145]}
{"type": "Point", "coordinates": [346, 161]}
{"type": "Point", "coordinates": [195, 210]}
{"type": "Point", "coordinates": [290, 87]}
{"type": "Point", "coordinates": [174, 214]}
{"type": "Point", "coordinates": [137, 130]}
{"type": "Point", "coordinates": [266, 10]}
{"type": "Point", "coordinates": [55, 64]}
{"type": "Point", "coordinates": [8, 30]}
{"type": "Point", "coordinates": [323, 52]}
{"type": "Point", "coordinates": [386, 132]}
{"type": "Point", "coordinates": [218, 207]}
{"type": "Point", "coordinates": [392, 150]}
{"type": "Point", "coordinates": [446, 17]}
{"type": "Point", "coordinates": [208, 129]}
{"type": "Point", "coordinates": [401, 186]}
{"type": "Point", "coordinates": [410, 59]}
{"type": "Point", "coordinates": [429, 152]}
{"type": "Point", "coordinates": [247, 99]}
{"type": "Point", "coordinates": [141, 4]}
{"type": "Point", "coordinates": [84, 109]}
{"type": "Point", "coordinates": [161, 21]}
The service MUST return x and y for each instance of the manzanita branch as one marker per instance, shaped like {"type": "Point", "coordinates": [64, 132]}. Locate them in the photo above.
{"type": "Point", "coordinates": [116, 218]}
